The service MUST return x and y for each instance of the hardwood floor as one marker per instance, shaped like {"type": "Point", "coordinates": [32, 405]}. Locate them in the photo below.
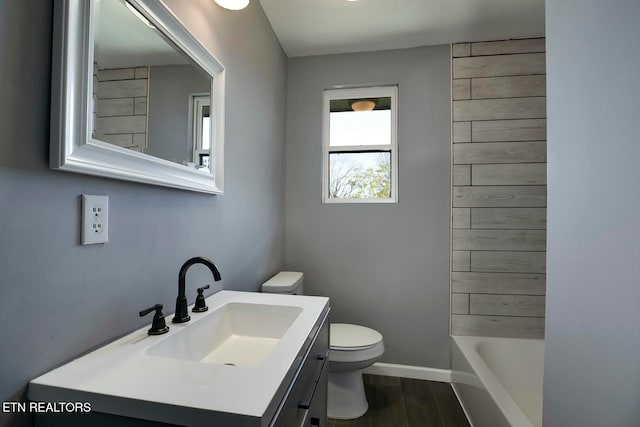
{"type": "Point", "coordinates": [403, 402]}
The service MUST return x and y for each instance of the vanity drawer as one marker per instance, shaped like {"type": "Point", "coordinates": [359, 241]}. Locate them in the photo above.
{"type": "Point", "coordinates": [305, 404]}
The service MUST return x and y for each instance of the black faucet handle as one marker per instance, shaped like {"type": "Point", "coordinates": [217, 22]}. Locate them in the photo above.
{"type": "Point", "coordinates": [201, 305]}
{"type": "Point", "coordinates": [158, 326]}
{"type": "Point", "coordinates": [150, 309]}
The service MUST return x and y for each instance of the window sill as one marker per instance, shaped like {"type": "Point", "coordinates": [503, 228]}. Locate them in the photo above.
{"type": "Point", "coordinates": [333, 201]}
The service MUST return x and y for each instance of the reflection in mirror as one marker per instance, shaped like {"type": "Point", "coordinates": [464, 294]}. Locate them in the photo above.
{"type": "Point", "coordinates": [201, 125]}
{"type": "Point", "coordinates": [147, 95]}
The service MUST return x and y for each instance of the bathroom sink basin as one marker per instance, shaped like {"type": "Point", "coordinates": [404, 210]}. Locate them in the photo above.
{"type": "Point", "coordinates": [183, 377]}
{"type": "Point", "coordinates": [235, 334]}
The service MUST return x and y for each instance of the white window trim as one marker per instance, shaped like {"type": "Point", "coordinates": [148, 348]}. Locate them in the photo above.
{"type": "Point", "coordinates": [362, 92]}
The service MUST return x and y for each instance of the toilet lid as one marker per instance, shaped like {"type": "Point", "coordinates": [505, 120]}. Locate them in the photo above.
{"type": "Point", "coordinates": [345, 336]}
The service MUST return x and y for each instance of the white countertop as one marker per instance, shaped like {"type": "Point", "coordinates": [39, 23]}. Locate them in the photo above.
{"type": "Point", "coordinates": [122, 379]}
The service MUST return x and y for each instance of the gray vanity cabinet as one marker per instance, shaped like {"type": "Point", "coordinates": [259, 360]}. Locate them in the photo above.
{"type": "Point", "coordinates": [305, 404]}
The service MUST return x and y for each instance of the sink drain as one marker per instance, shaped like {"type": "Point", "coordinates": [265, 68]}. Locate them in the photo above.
{"type": "Point", "coordinates": [229, 364]}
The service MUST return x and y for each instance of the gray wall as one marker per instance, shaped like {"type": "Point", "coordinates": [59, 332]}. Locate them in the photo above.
{"type": "Point", "coordinates": [386, 265]}
{"type": "Point", "coordinates": [592, 359]}
{"type": "Point", "coordinates": [169, 90]}
{"type": "Point", "coordinates": [58, 299]}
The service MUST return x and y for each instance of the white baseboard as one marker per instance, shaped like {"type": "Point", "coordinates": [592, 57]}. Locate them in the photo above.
{"type": "Point", "coordinates": [407, 371]}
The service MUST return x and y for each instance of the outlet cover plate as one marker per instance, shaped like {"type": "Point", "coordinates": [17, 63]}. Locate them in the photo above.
{"type": "Point", "coordinates": [95, 219]}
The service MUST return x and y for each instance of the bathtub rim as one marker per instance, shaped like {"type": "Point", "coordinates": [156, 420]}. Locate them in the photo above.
{"type": "Point", "coordinates": [504, 402]}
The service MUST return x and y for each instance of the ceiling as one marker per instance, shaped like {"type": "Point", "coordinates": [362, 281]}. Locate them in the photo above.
{"type": "Point", "coordinates": [318, 27]}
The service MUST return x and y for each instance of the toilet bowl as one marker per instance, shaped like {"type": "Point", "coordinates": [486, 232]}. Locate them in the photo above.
{"type": "Point", "coordinates": [353, 348]}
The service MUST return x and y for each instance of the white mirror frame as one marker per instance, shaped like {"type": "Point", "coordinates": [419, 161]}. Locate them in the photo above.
{"type": "Point", "coordinates": [72, 147]}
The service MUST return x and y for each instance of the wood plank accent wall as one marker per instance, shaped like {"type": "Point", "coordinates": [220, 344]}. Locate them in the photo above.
{"type": "Point", "coordinates": [120, 106]}
{"type": "Point", "coordinates": [499, 188]}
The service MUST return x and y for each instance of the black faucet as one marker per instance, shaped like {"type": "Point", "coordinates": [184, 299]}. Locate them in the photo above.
{"type": "Point", "coordinates": [181, 315]}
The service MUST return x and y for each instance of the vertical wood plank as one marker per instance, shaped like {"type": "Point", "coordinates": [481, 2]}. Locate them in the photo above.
{"type": "Point", "coordinates": [461, 89]}
{"type": "Point", "coordinates": [140, 139]}
{"type": "Point", "coordinates": [140, 106]}
{"type": "Point", "coordinates": [141, 73]}
{"type": "Point", "coordinates": [461, 217]}
{"type": "Point", "coordinates": [460, 303]}
{"type": "Point", "coordinates": [461, 49]}
{"type": "Point", "coordinates": [461, 132]}
{"type": "Point", "coordinates": [461, 175]}
{"type": "Point", "coordinates": [461, 260]}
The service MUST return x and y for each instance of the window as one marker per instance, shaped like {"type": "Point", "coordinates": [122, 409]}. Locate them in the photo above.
{"type": "Point", "coordinates": [360, 162]}
{"type": "Point", "coordinates": [201, 130]}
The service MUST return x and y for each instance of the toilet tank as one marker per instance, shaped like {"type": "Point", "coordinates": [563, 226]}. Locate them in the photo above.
{"type": "Point", "coordinates": [285, 282]}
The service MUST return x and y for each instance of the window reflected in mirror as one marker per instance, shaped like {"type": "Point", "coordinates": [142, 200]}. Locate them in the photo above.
{"type": "Point", "coordinates": [201, 129]}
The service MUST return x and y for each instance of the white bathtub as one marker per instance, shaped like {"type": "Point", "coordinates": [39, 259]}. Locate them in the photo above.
{"type": "Point", "coordinates": [499, 380]}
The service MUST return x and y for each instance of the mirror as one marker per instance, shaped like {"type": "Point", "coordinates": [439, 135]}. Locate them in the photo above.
{"type": "Point", "coordinates": [135, 96]}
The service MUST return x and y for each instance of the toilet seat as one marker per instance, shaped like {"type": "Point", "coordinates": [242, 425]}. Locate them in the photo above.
{"type": "Point", "coordinates": [354, 343]}
{"type": "Point", "coordinates": [346, 337]}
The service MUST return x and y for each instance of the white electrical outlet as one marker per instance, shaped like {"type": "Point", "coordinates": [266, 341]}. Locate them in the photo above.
{"type": "Point", "coordinates": [95, 219]}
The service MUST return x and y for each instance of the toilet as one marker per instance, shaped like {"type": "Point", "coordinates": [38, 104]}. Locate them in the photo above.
{"type": "Point", "coordinates": [353, 348]}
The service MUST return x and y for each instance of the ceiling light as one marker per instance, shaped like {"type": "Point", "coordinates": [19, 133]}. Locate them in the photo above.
{"type": "Point", "coordinates": [233, 4]}
{"type": "Point", "coordinates": [363, 105]}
